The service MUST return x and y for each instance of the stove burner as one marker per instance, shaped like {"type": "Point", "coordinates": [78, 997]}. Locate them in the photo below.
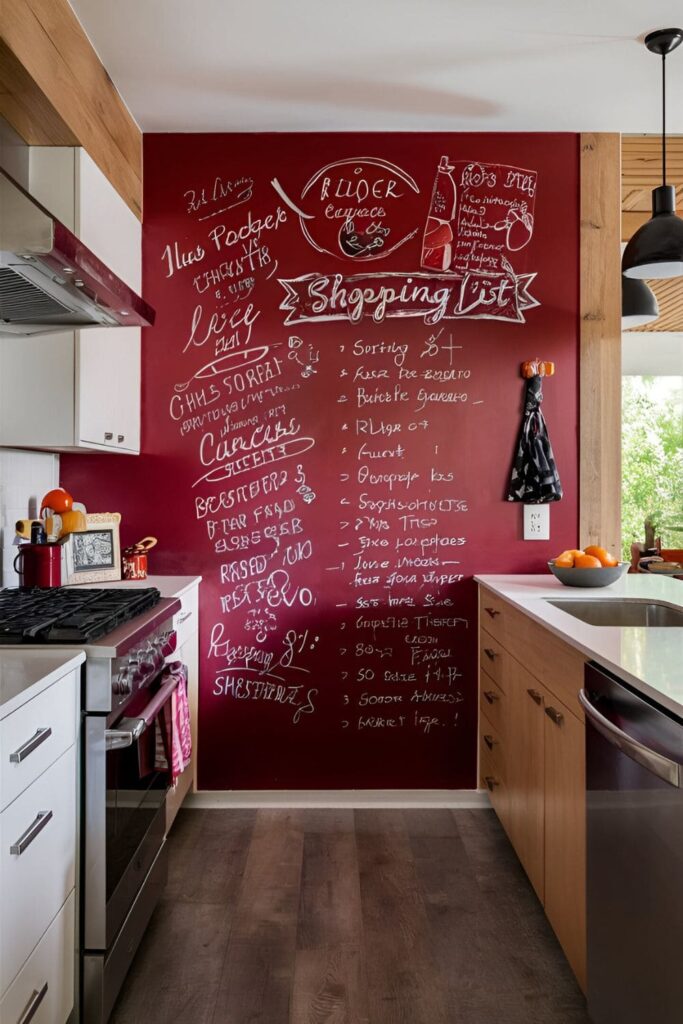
{"type": "Point", "coordinates": [63, 615]}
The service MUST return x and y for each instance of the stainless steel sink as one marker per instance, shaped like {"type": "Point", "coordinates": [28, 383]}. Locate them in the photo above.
{"type": "Point", "coordinates": [621, 613]}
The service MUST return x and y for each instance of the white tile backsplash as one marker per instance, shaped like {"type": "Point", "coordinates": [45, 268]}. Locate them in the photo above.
{"type": "Point", "coordinates": [24, 478]}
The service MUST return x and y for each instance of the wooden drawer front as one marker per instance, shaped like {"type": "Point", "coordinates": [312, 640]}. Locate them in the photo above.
{"type": "Point", "coordinates": [35, 883]}
{"type": "Point", "coordinates": [493, 613]}
{"type": "Point", "coordinates": [492, 657]}
{"type": "Point", "coordinates": [492, 702]}
{"type": "Point", "coordinates": [35, 735]}
{"type": "Point", "coordinates": [555, 664]}
{"type": "Point", "coordinates": [186, 620]}
{"type": "Point", "coordinates": [51, 964]}
{"type": "Point", "coordinates": [492, 776]}
{"type": "Point", "coordinates": [493, 745]}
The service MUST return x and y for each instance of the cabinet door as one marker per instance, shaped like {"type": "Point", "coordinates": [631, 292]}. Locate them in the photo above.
{"type": "Point", "coordinates": [105, 223]}
{"type": "Point", "coordinates": [565, 832]}
{"type": "Point", "coordinates": [128, 380]}
{"type": "Point", "coordinates": [524, 762]}
{"type": "Point", "coordinates": [108, 394]}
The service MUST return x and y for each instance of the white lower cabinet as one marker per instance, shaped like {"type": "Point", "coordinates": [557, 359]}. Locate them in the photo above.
{"type": "Point", "coordinates": [43, 991]}
{"type": "Point", "coordinates": [39, 717]}
{"type": "Point", "coordinates": [37, 861]}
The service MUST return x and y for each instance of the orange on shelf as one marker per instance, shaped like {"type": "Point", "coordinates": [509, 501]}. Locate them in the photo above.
{"type": "Point", "coordinates": [586, 561]}
{"type": "Point", "coordinates": [602, 555]}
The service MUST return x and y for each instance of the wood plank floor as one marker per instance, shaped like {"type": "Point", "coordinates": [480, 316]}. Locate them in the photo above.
{"type": "Point", "coordinates": [347, 917]}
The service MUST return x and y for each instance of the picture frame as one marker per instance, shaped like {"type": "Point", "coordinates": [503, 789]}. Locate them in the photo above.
{"type": "Point", "coordinates": [93, 555]}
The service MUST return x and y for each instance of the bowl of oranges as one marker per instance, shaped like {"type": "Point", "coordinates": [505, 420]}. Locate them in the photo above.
{"type": "Point", "coordinates": [592, 567]}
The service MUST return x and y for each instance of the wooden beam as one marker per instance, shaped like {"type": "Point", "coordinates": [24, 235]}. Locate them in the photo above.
{"type": "Point", "coordinates": [25, 107]}
{"type": "Point", "coordinates": [55, 91]}
{"type": "Point", "coordinates": [600, 342]}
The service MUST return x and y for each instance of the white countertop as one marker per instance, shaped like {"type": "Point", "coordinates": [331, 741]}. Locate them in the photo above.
{"type": "Point", "coordinates": [649, 658]}
{"type": "Point", "coordinates": [169, 586]}
{"type": "Point", "coordinates": [24, 674]}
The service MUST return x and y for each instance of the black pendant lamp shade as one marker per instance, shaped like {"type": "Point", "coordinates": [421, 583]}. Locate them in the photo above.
{"type": "Point", "coordinates": [656, 249]}
{"type": "Point", "coordinates": [638, 303]}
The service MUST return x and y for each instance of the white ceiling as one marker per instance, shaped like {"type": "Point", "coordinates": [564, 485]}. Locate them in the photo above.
{"type": "Point", "coordinates": [306, 65]}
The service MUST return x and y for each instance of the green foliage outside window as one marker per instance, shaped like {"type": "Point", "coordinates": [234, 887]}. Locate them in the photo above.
{"type": "Point", "coordinates": [652, 459]}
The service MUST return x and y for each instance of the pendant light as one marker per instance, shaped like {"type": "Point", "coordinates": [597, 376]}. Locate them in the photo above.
{"type": "Point", "coordinates": [638, 303]}
{"type": "Point", "coordinates": [656, 249]}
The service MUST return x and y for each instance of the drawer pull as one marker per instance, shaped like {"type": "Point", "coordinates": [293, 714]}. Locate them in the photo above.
{"type": "Point", "coordinates": [121, 438]}
{"type": "Point", "coordinates": [491, 697]}
{"type": "Point", "coordinates": [536, 696]}
{"type": "Point", "coordinates": [33, 1004]}
{"type": "Point", "coordinates": [490, 653]}
{"type": "Point", "coordinates": [22, 752]}
{"type": "Point", "coordinates": [489, 741]}
{"type": "Point", "coordinates": [31, 833]}
{"type": "Point", "coordinates": [554, 715]}
{"type": "Point", "coordinates": [108, 436]}
{"type": "Point", "coordinates": [492, 612]}
{"type": "Point", "coordinates": [491, 782]}
{"type": "Point", "coordinates": [183, 618]}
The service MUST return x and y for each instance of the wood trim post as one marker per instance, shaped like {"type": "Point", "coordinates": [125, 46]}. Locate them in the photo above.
{"type": "Point", "coordinates": [600, 342]}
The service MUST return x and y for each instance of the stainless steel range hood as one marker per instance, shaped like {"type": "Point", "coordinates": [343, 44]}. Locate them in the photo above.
{"type": "Point", "coordinates": [49, 280]}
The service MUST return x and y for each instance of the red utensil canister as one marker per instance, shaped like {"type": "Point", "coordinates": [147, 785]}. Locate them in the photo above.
{"type": "Point", "coordinates": [39, 565]}
{"type": "Point", "coordinates": [134, 566]}
{"type": "Point", "coordinates": [135, 559]}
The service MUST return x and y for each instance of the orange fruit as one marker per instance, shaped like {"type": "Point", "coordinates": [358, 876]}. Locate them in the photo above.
{"type": "Point", "coordinates": [565, 560]}
{"type": "Point", "coordinates": [602, 555]}
{"type": "Point", "coordinates": [587, 562]}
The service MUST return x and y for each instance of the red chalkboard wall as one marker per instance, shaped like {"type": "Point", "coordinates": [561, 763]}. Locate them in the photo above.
{"type": "Point", "coordinates": [331, 398]}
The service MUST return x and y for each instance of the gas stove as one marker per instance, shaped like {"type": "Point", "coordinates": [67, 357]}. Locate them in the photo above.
{"type": "Point", "coordinates": [64, 615]}
{"type": "Point", "coordinates": [127, 636]}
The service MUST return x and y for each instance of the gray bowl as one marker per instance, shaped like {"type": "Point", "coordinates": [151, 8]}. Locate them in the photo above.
{"type": "Point", "coordinates": [589, 577]}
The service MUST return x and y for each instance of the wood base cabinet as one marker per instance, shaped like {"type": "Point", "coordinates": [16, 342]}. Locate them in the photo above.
{"type": "Point", "coordinates": [532, 761]}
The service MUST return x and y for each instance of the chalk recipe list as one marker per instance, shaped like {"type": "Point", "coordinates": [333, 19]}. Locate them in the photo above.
{"type": "Point", "coordinates": [326, 400]}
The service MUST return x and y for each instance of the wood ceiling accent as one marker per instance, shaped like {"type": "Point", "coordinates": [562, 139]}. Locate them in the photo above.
{"type": "Point", "coordinates": [641, 171]}
{"type": "Point", "coordinates": [54, 91]}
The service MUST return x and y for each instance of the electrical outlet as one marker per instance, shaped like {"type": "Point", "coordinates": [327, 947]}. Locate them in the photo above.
{"type": "Point", "coordinates": [537, 522]}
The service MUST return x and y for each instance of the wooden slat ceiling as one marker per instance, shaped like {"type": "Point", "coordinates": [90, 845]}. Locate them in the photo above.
{"type": "Point", "coordinates": [641, 171]}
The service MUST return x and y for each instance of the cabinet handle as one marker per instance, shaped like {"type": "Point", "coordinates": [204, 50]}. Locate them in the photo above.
{"type": "Point", "coordinates": [489, 741]}
{"type": "Point", "coordinates": [31, 833]}
{"type": "Point", "coordinates": [22, 752]}
{"type": "Point", "coordinates": [108, 436]}
{"type": "Point", "coordinates": [183, 618]}
{"type": "Point", "coordinates": [490, 696]}
{"type": "Point", "coordinates": [121, 438]}
{"type": "Point", "coordinates": [33, 1004]}
{"type": "Point", "coordinates": [491, 782]}
{"type": "Point", "coordinates": [536, 697]}
{"type": "Point", "coordinates": [492, 612]}
{"type": "Point", "coordinates": [554, 715]}
{"type": "Point", "coordinates": [490, 653]}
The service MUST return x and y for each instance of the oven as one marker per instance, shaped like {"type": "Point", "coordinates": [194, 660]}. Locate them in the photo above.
{"type": "Point", "coordinates": [123, 868]}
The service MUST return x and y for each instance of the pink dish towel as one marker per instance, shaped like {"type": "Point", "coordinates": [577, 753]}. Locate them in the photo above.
{"type": "Point", "coordinates": [173, 735]}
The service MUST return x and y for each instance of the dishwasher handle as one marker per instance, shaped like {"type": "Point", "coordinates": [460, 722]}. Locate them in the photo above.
{"type": "Point", "coordinates": [663, 767]}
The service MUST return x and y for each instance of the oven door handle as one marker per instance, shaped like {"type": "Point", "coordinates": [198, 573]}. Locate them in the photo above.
{"type": "Point", "coordinates": [131, 729]}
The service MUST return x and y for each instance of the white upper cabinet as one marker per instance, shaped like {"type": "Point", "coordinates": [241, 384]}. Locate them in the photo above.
{"type": "Point", "coordinates": [77, 390]}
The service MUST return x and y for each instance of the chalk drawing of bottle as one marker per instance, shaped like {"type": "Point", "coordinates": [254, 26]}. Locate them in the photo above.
{"type": "Point", "coordinates": [437, 242]}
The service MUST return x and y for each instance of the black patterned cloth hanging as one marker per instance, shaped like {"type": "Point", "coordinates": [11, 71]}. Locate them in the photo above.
{"type": "Point", "coordinates": [534, 478]}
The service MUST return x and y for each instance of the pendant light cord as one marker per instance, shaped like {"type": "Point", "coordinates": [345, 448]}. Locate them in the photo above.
{"type": "Point", "coordinates": [663, 119]}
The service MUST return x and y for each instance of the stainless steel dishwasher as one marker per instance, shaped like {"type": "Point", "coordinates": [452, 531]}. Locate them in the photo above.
{"type": "Point", "coordinates": [634, 754]}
